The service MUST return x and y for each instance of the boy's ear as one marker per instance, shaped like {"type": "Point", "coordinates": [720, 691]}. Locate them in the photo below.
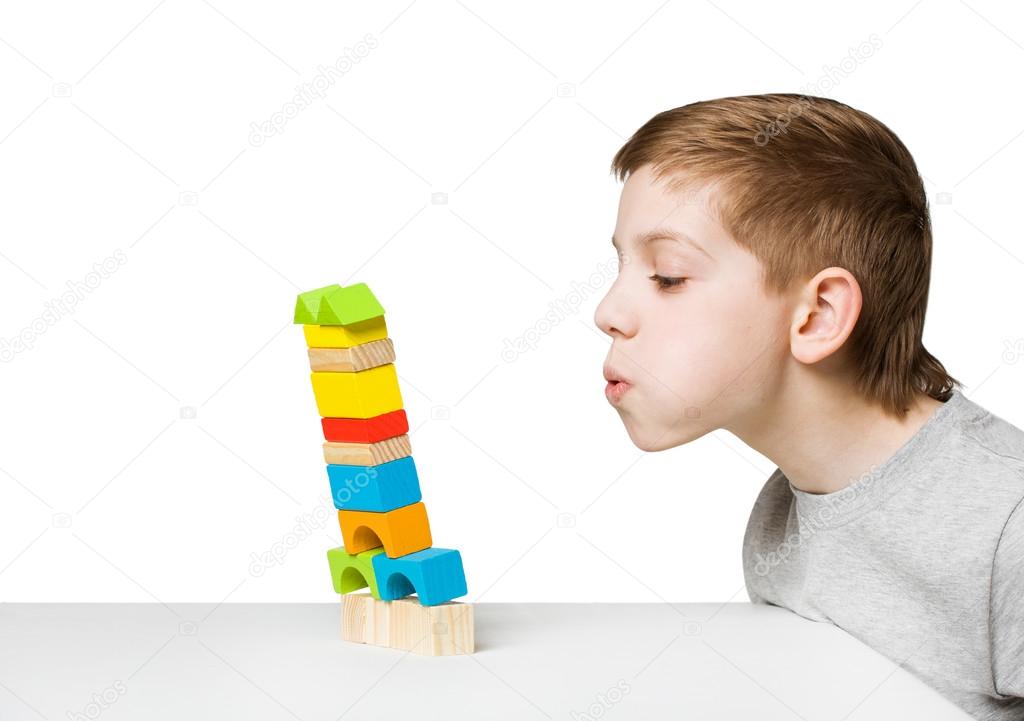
{"type": "Point", "coordinates": [826, 313]}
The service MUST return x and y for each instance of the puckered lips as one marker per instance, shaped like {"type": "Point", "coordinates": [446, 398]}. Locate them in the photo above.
{"type": "Point", "coordinates": [617, 385]}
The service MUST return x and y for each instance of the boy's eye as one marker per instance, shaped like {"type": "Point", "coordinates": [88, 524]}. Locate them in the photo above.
{"type": "Point", "coordinates": [665, 282]}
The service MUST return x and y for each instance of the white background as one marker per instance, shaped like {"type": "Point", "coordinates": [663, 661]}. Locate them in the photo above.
{"type": "Point", "coordinates": [162, 435]}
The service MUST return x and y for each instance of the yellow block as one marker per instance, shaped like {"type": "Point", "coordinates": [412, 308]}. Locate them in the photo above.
{"type": "Point", "coordinates": [345, 336]}
{"type": "Point", "coordinates": [362, 394]}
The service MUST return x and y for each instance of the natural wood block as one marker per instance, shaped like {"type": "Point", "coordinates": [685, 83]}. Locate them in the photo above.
{"type": "Point", "coordinates": [405, 624]}
{"type": "Point", "coordinates": [357, 358]}
{"type": "Point", "coordinates": [367, 454]}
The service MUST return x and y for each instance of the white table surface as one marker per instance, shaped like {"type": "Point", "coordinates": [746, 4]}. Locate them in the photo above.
{"type": "Point", "coordinates": [533, 661]}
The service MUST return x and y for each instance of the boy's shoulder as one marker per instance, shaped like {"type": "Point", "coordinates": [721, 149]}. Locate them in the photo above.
{"type": "Point", "coordinates": [965, 461]}
{"type": "Point", "coordinates": [992, 434]}
{"type": "Point", "coordinates": [935, 537]}
{"type": "Point", "coordinates": [977, 459]}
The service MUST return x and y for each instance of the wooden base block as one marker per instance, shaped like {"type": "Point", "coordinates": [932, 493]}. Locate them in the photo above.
{"type": "Point", "coordinates": [405, 624]}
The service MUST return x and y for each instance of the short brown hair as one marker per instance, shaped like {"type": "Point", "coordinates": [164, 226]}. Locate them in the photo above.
{"type": "Point", "coordinates": [807, 183]}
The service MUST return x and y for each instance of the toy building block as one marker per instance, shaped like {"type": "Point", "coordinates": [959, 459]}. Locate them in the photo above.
{"type": "Point", "coordinates": [337, 305]}
{"type": "Point", "coordinates": [379, 489]}
{"type": "Point", "coordinates": [340, 317]}
{"type": "Point", "coordinates": [345, 336]}
{"type": "Point", "coordinates": [357, 358]}
{"type": "Point", "coordinates": [366, 430]}
{"type": "Point", "coordinates": [357, 395]}
{"type": "Point", "coordinates": [435, 575]}
{"type": "Point", "coordinates": [351, 304]}
{"type": "Point", "coordinates": [367, 454]}
{"type": "Point", "coordinates": [375, 486]}
{"type": "Point", "coordinates": [351, 572]}
{"type": "Point", "coordinates": [401, 531]}
{"type": "Point", "coordinates": [407, 625]}
{"type": "Point", "coordinates": [307, 305]}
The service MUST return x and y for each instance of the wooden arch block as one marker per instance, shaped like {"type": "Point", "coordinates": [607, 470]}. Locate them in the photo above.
{"type": "Point", "coordinates": [353, 571]}
{"type": "Point", "coordinates": [435, 575]}
{"type": "Point", "coordinates": [401, 531]}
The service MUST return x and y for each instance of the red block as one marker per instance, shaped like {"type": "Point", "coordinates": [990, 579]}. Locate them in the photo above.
{"type": "Point", "coordinates": [366, 430]}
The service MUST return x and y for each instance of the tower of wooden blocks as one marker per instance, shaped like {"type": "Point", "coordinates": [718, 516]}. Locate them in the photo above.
{"type": "Point", "coordinates": [387, 547]}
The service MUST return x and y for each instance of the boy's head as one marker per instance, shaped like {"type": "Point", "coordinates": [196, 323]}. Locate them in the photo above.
{"type": "Point", "coordinates": [769, 244]}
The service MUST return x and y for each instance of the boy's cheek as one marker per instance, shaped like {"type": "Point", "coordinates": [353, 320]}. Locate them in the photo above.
{"type": "Point", "coordinates": [690, 384]}
{"type": "Point", "coordinates": [687, 369]}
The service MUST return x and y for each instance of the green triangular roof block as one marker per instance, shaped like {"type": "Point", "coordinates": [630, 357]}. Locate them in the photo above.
{"type": "Point", "coordinates": [350, 304]}
{"type": "Point", "coordinates": [307, 305]}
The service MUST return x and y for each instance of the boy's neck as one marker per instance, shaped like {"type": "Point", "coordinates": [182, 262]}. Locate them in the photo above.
{"type": "Point", "coordinates": [823, 439]}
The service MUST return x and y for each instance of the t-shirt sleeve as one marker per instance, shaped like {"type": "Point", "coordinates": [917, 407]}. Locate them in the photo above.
{"type": "Point", "coordinates": [1006, 621]}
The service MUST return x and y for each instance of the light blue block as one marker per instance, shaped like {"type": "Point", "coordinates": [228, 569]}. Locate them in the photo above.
{"type": "Point", "coordinates": [435, 575]}
{"type": "Point", "coordinates": [380, 488]}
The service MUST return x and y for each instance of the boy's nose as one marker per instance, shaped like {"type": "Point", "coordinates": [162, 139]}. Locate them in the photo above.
{"type": "Point", "coordinates": [612, 317]}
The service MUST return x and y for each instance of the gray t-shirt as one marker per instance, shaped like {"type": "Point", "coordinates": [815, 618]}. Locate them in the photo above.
{"type": "Point", "coordinates": [922, 558]}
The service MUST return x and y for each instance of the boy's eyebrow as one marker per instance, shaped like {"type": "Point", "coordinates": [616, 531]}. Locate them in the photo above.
{"type": "Point", "coordinates": [648, 237]}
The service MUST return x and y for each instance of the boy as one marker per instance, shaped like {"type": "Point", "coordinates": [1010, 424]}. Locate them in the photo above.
{"type": "Point", "coordinates": [775, 253]}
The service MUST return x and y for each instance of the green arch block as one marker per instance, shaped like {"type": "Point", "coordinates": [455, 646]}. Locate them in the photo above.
{"type": "Point", "coordinates": [351, 572]}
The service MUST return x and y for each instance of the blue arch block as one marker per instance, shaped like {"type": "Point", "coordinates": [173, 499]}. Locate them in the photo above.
{"type": "Point", "coordinates": [380, 488]}
{"type": "Point", "coordinates": [433, 574]}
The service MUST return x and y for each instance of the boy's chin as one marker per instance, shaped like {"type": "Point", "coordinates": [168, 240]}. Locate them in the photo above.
{"type": "Point", "coordinates": [659, 438]}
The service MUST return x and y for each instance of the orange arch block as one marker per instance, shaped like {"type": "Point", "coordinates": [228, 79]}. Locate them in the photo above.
{"type": "Point", "coordinates": [401, 531]}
